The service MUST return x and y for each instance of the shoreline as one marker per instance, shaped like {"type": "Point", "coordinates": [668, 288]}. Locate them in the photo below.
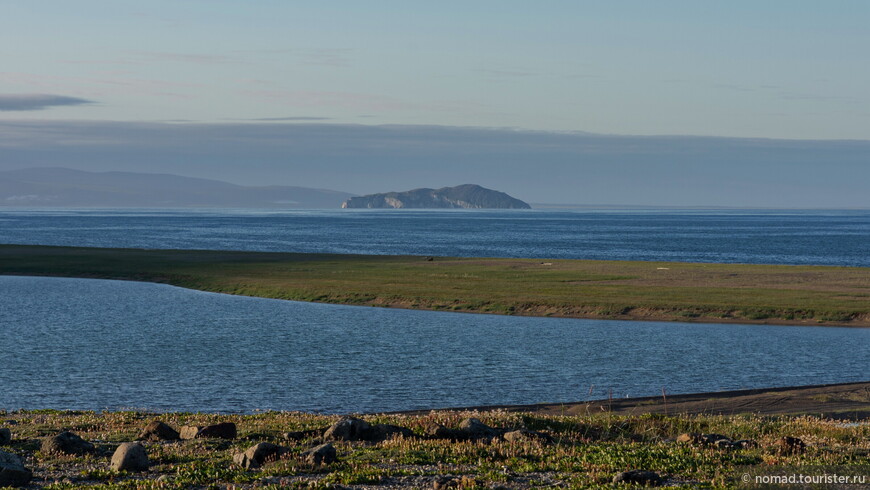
{"type": "Point", "coordinates": [850, 400]}
{"type": "Point", "coordinates": [847, 401]}
{"type": "Point", "coordinates": [598, 290]}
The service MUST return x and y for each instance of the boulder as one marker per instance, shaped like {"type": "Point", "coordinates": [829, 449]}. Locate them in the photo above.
{"type": "Point", "coordinates": [476, 428]}
{"type": "Point", "coordinates": [523, 435]}
{"type": "Point", "coordinates": [130, 456]}
{"type": "Point", "coordinates": [67, 443]}
{"type": "Point", "coordinates": [347, 429]}
{"type": "Point", "coordinates": [322, 454]}
{"type": "Point", "coordinates": [258, 454]}
{"type": "Point", "coordinates": [12, 471]}
{"type": "Point", "coordinates": [469, 429]}
{"type": "Point", "coordinates": [712, 439]}
{"type": "Point", "coordinates": [639, 477]}
{"type": "Point", "coordinates": [158, 431]}
{"type": "Point", "coordinates": [438, 431]}
{"type": "Point", "coordinates": [705, 439]}
{"type": "Point", "coordinates": [745, 444]}
{"type": "Point", "coordinates": [724, 444]}
{"type": "Point", "coordinates": [790, 445]}
{"type": "Point", "coordinates": [224, 430]}
{"type": "Point", "coordinates": [383, 432]}
{"type": "Point", "coordinates": [5, 436]}
{"type": "Point", "coordinates": [189, 431]}
{"type": "Point", "coordinates": [689, 438]}
{"type": "Point", "coordinates": [302, 434]}
{"type": "Point", "coordinates": [445, 482]}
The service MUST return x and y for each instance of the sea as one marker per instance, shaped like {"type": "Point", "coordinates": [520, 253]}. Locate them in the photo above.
{"type": "Point", "coordinates": [110, 345]}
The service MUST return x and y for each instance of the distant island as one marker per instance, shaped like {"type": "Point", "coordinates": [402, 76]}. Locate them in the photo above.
{"type": "Point", "coordinates": [64, 187]}
{"type": "Point", "coordinates": [467, 196]}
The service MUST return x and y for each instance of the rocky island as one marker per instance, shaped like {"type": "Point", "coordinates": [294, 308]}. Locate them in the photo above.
{"type": "Point", "coordinates": [467, 196]}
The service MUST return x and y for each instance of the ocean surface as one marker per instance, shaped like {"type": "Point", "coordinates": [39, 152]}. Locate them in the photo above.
{"type": "Point", "coordinates": [771, 237]}
{"type": "Point", "coordinates": [89, 344]}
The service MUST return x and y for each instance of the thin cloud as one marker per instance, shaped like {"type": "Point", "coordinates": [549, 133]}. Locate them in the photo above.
{"type": "Point", "coordinates": [506, 73]}
{"type": "Point", "coordinates": [291, 118]}
{"type": "Point", "coordinates": [194, 58]}
{"type": "Point", "coordinates": [37, 102]}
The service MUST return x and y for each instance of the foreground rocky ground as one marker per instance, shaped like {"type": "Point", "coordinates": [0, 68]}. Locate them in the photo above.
{"type": "Point", "coordinates": [444, 449]}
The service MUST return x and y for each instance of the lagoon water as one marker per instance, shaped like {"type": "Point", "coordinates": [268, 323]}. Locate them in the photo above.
{"type": "Point", "coordinates": [94, 344]}
{"type": "Point", "coordinates": [88, 344]}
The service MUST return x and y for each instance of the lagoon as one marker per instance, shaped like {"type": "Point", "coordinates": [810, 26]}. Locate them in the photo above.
{"type": "Point", "coordinates": [97, 344]}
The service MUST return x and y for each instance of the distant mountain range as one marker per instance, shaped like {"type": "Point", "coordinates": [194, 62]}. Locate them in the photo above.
{"type": "Point", "coordinates": [63, 187]}
{"type": "Point", "coordinates": [467, 196]}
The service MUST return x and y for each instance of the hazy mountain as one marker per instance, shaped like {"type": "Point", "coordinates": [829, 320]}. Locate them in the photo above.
{"type": "Point", "coordinates": [62, 187]}
{"type": "Point", "coordinates": [467, 196]}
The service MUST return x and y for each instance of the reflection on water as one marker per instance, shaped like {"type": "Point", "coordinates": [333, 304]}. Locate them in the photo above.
{"type": "Point", "coordinates": [92, 344]}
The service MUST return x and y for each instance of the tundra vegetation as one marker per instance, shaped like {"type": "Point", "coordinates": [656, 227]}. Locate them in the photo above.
{"type": "Point", "coordinates": [670, 291]}
{"type": "Point", "coordinates": [570, 451]}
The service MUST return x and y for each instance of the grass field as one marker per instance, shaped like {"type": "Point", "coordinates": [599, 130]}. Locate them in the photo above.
{"type": "Point", "coordinates": [811, 295]}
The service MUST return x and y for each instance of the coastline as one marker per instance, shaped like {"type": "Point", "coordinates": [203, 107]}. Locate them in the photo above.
{"type": "Point", "coordinates": [603, 290]}
{"type": "Point", "coordinates": [847, 401]}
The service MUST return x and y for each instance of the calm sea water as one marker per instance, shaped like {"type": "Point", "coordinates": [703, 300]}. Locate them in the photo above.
{"type": "Point", "coordinates": [86, 344]}
{"type": "Point", "coordinates": [775, 237]}
{"type": "Point", "coordinates": [93, 344]}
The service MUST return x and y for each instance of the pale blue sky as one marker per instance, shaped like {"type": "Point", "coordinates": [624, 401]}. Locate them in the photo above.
{"type": "Point", "coordinates": [781, 69]}
{"type": "Point", "coordinates": [792, 70]}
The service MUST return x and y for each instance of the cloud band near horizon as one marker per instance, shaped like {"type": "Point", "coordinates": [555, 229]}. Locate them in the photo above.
{"type": "Point", "coordinates": [535, 166]}
{"type": "Point", "coordinates": [38, 102]}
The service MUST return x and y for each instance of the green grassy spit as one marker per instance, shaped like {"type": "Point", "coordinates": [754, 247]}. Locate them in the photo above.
{"type": "Point", "coordinates": [567, 288]}
{"type": "Point", "coordinates": [587, 451]}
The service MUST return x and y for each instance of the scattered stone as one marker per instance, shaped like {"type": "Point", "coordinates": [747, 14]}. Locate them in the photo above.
{"type": "Point", "coordinates": [347, 429]}
{"type": "Point", "coordinates": [477, 429]}
{"type": "Point", "coordinates": [303, 434]}
{"type": "Point", "coordinates": [12, 471]}
{"type": "Point", "coordinates": [189, 431]}
{"type": "Point", "coordinates": [712, 439]}
{"type": "Point", "coordinates": [689, 438]}
{"type": "Point", "coordinates": [639, 477]}
{"type": "Point", "coordinates": [354, 429]}
{"type": "Point", "coordinates": [704, 439]}
{"type": "Point", "coordinates": [790, 445]}
{"type": "Point", "coordinates": [384, 432]}
{"type": "Point", "coordinates": [724, 444]}
{"type": "Point", "coordinates": [5, 436]}
{"type": "Point", "coordinates": [130, 456]}
{"type": "Point", "coordinates": [225, 430]}
{"type": "Point", "coordinates": [67, 443]}
{"type": "Point", "coordinates": [445, 482]}
{"type": "Point", "coordinates": [745, 444]}
{"type": "Point", "coordinates": [258, 454]}
{"type": "Point", "coordinates": [322, 454]}
{"type": "Point", "coordinates": [469, 429]}
{"type": "Point", "coordinates": [438, 431]}
{"type": "Point", "coordinates": [158, 431]}
{"type": "Point", "coordinates": [524, 435]}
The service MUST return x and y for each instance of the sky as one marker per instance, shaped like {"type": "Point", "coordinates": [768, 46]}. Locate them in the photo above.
{"type": "Point", "coordinates": [599, 102]}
